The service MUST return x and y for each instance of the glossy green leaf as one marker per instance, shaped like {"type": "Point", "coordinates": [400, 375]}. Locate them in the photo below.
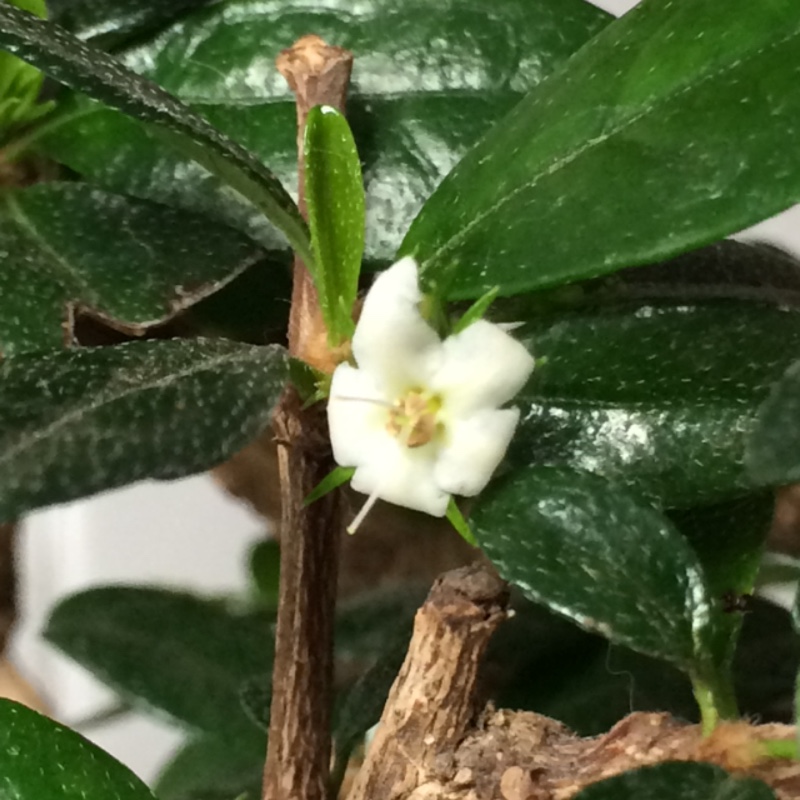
{"type": "Point", "coordinates": [659, 398]}
{"type": "Point", "coordinates": [87, 69]}
{"type": "Point", "coordinates": [173, 652]}
{"type": "Point", "coordinates": [42, 759]}
{"type": "Point", "coordinates": [773, 449]}
{"type": "Point", "coordinates": [334, 193]}
{"type": "Point", "coordinates": [208, 768]}
{"type": "Point", "coordinates": [108, 23]}
{"type": "Point", "coordinates": [414, 109]}
{"type": "Point", "coordinates": [624, 156]}
{"type": "Point", "coordinates": [77, 422]}
{"type": "Point", "coordinates": [598, 555]}
{"type": "Point", "coordinates": [67, 248]}
{"type": "Point", "coordinates": [729, 539]}
{"type": "Point", "coordinates": [677, 781]}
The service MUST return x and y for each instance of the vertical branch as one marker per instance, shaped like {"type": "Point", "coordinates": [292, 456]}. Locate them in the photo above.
{"type": "Point", "coordinates": [298, 753]}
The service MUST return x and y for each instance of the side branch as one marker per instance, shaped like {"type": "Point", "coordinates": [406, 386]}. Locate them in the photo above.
{"type": "Point", "coordinates": [433, 704]}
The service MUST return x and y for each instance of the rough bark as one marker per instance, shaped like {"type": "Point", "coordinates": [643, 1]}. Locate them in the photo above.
{"type": "Point", "coordinates": [8, 588]}
{"type": "Point", "coordinates": [433, 703]}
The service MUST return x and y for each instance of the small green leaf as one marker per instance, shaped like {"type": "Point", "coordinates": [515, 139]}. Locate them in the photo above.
{"type": "Point", "coordinates": [476, 311]}
{"type": "Point", "coordinates": [211, 768]}
{"type": "Point", "coordinates": [173, 652]}
{"type": "Point", "coordinates": [132, 263]}
{"type": "Point", "coordinates": [600, 556]}
{"type": "Point", "coordinates": [773, 450]}
{"type": "Point", "coordinates": [335, 199]}
{"type": "Point", "coordinates": [623, 156]}
{"type": "Point", "coordinates": [89, 70]}
{"type": "Point", "coordinates": [677, 781]}
{"type": "Point", "coordinates": [42, 759]}
{"type": "Point", "coordinates": [255, 697]}
{"type": "Point", "coordinates": [457, 520]}
{"type": "Point", "coordinates": [336, 478]}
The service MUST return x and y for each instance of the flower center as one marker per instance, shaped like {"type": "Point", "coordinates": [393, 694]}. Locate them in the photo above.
{"type": "Point", "coordinates": [413, 418]}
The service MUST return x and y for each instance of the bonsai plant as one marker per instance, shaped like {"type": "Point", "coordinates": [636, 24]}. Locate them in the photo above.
{"type": "Point", "coordinates": [560, 360]}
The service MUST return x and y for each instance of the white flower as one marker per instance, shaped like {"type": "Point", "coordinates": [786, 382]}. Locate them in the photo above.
{"type": "Point", "coordinates": [420, 418]}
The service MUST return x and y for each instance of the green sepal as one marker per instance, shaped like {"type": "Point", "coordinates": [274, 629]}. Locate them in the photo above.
{"type": "Point", "coordinates": [477, 310]}
{"type": "Point", "coordinates": [457, 520]}
{"type": "Point", "coordinates": [332, 481]}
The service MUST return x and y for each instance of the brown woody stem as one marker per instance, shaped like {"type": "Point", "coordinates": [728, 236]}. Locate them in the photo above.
{"type": "Point", "coordinates": [298, 753]}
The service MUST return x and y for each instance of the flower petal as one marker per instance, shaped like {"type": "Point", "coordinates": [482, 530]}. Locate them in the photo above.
{"type": "Point", "coordinates": [392, 341]}
{"type": "Point", "coordinates": [480, 367]}
{"type": "Point", "coordinates": [475, 446]}
{"type": "Point", "coordinates": [403, 476]}
{"type": "Point", "coordinates": [357, 413]}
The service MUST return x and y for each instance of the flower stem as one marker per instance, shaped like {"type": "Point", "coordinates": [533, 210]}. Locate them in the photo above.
{"type": "Point", "coordinates": [716, 698]}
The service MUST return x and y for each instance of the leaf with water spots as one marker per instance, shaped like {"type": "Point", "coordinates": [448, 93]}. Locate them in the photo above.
{"type": "Point", "coordinates": [43, 759]}
{"type": "Point", "coordinates": [67, 248]}
{"type": "Point", "coordinates": [77, 422]}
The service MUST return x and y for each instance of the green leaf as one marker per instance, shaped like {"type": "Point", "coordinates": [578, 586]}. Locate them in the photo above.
{"type": "Point", "coordinates": [176, 653]}
{"type": "Point", "coordinates": [109, 23]}
{"type": "Point", "coordinates": [20, 84]}
{"type": "Point", "coordinates": [659, 398]}
{"type": "Point", "coordinates": [773, 449]}
{"type": "Point", "coordinates": [89, 70]}
{"type": "Point", "coordinates": [729, 540]}
{"type": "Point", "coordinates": [42, 759]}
{"type": "Point", "coordinates": [265, 572]}
{"type": "Point", "coordinates": [677, 781]}
{"type": "Point", "coordinates": [77, 422]}
{"type": "Point", "coordinates": [131, 263]}
{"type": "Point", "coordinates": [208, 768]}
{"type": "Point", "coordinates": [624, 156]}
{"type": "Point", "coordinates": [598, 555]}
{"type": "Point", "coordinates": [335, 198]}
{"type": "Point", "coordinates": [414, 111]}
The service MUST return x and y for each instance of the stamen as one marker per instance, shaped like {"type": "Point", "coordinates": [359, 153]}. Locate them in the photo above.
{"type": "Point", "coordinates": [361, 516]}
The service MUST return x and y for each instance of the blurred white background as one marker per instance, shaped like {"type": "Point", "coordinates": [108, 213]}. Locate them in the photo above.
{"type": "Point", "coordinates": [187, 534]}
